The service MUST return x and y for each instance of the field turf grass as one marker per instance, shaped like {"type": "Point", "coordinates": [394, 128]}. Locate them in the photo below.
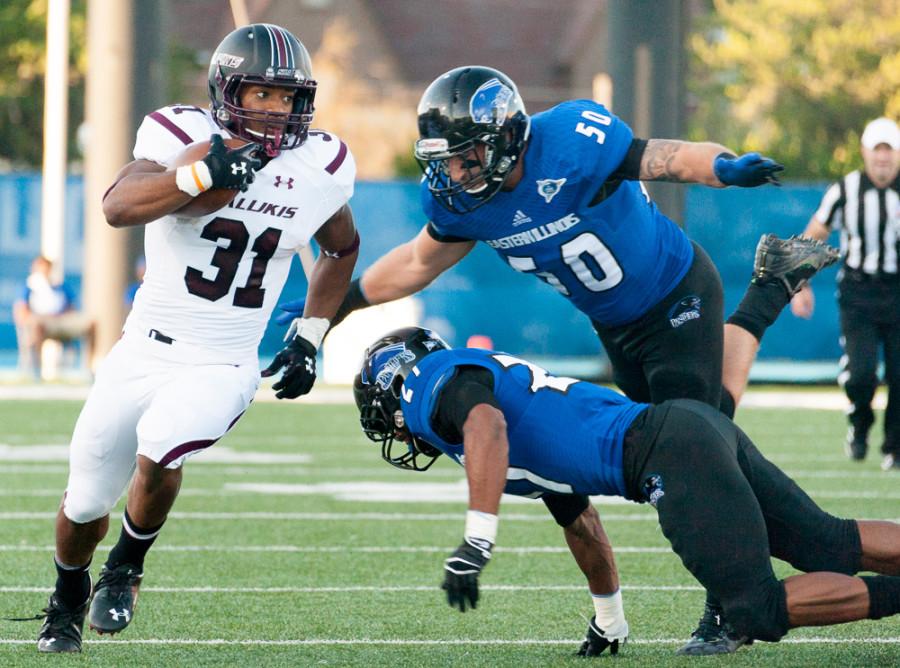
{"type": "Point", "coordinates": [303, 548]}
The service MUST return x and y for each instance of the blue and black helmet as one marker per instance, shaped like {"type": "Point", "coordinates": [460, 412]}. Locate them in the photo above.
{"type": "Point", "coordinates": [377, 390]}
{"type": "Point", "coordinates": [461, 109]}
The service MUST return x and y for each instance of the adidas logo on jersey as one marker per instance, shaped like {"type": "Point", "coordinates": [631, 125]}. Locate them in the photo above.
{"type": "Point", "coordinates": [521, 218]}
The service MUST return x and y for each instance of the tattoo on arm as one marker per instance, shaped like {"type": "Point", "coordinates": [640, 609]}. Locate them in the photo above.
{"type": "Point", "coordinates": [658, 161]}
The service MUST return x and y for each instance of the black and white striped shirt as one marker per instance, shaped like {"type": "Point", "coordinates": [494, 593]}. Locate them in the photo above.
{"type": "Point", "coordinates": [869, 221]}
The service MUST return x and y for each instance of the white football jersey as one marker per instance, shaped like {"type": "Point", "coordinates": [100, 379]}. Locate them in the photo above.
{"type": "Point", "coordinates": [212, 282]}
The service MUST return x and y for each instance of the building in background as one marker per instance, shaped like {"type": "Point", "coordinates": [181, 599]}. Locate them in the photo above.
{"type": "Point", "coordinates": [374, 58]}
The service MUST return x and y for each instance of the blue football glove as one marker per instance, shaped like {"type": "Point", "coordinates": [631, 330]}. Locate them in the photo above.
{"type": "Point", "coordinates": [291, 311]}
{"type": "Point", "coordinates": [746, 171]}
{"type": "Point", "coordinates": [354, 300]}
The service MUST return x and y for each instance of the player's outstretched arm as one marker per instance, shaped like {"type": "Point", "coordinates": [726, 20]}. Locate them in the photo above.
{"type": "Point", "coordinates": [410, 267]}
{"type": "Point", "coordinates": [487, 458]}
{"type": "Point", "coordinates": [401, 272]}
{"type": "Point", "coordinates": [707, 163]}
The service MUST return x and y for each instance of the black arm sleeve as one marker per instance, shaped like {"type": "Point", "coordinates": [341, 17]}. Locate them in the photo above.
{"type": "Point", "coordinates": [443, 238]}
{"type": "Point", "coordinates": [565, 508]}
{"type": "Point", "coordinates": [630, 169]}
{"type": "Point", "coordinates": [471, 386]}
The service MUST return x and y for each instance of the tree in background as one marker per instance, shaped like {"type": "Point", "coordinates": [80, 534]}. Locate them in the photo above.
{"type": "Point", "coordinates": [797, 80]}
{"type": "Point", "coordinates": [23, 26]}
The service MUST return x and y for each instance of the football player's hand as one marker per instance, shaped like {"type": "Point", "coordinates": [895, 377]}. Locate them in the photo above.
{"type": "Point", "coordinates": [747, 171]}
{"type": "Point", "coordinates": [461, 572]}
{"type": "Point", "coordinates": [353, 301]}
{"type": "Point", "coordinates": [232, 168]}
{"type": "Point", "coordinates": [290, 311]}
{"type": "Point", "coordinates": [298, 359]}
{"type": "Point", "coordinates": [596, 641]}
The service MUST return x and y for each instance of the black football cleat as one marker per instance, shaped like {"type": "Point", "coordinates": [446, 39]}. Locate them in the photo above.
{"type": "Point", "coordinates": [713, 635]}
{"type": "Point", "coordinates": [62, 627]}
{"type": "Point", "coordinates": [115, 597]}
{"type": "Point", "coordinates": [790, 262]}
{"type": "Point", "coordinates": [891, 462]}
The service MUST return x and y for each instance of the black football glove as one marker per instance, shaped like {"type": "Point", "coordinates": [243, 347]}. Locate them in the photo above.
{"type": "Point", "coordinates": [233, 169]}
{"type": "Point", "coordinates": [596, 641]}
{"type": "Point", "coordinates": [461, 571]}
{"type": "Point", "coordinates": [298, 358]}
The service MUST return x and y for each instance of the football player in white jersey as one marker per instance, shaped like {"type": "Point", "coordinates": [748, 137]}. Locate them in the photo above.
{"type": "Point", "coordinates": [186, 367]}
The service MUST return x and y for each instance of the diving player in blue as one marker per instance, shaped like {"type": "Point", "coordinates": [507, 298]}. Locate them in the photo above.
{"type": "Point", "coordinates": [558, 195]}
{"type": "Point", "coordinates": [517, 429]}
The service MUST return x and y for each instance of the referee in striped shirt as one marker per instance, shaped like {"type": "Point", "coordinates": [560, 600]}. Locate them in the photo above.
{"type": "Point", "coordinates": [865, 206]}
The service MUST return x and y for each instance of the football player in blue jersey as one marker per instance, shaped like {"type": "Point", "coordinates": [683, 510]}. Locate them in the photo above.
{"type": "Point", "coordinates": [558, 195]}
{"type": "Point", "coordinates": [519, 430]}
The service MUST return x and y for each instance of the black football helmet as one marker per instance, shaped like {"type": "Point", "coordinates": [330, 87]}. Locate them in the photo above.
{"type": "Point", "coordinates": [462, 108]}
{"type": "Point", "coordinates": [377, 388]}
{"type": "Point", "coordinates": [264, 54]}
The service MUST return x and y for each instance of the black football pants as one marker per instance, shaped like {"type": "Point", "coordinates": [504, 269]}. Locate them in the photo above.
{"type": "Point", "coordinates": [671, 352]}
{"type": "Point", "coordinates": [726, 510]}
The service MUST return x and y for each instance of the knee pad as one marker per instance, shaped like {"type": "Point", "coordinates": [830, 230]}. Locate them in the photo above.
{"type": "Point", "coordinates": [82, 508]}
{"type": "Point", "coordinates": [760, 612]}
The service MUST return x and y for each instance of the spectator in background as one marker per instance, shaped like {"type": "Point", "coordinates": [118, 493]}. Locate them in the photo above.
{"type": "Point", "coordinates": [140, 267]}
{"type": "Point", "coordinates": [865, 206]}
{"type": "Point", "coordinates": [45, 310]}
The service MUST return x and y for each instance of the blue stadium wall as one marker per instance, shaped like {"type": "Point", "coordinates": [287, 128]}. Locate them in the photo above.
{"type": "Point", "coordinates": [480, 296]}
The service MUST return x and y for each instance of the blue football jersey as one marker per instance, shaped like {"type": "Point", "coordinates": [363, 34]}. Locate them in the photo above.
{"type": "Point", "coordinates": [614, 260]}
{"type": "Point", "coordinates": [565, 435]}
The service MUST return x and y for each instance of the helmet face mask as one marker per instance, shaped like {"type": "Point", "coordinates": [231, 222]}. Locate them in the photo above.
{"type": "Point", "coordinates": [264, 55]}
{"type": "Point", "coordinates": [472, 121]}
{"type": "Point", "coordinates": [377, 390]}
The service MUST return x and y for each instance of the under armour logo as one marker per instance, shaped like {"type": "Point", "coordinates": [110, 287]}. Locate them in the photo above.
{"type": "Point", "coordinates": [310, 365]}
{"type": "Point", "coordinates": [289, 182]}
{"type": "Point", "coordinates": [238, 167]}
{"type": "Point", "coordinates": [115, 614]}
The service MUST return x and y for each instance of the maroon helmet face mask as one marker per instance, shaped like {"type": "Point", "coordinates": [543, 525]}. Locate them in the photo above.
{"type": "Point", "coordinates": [265, 55]}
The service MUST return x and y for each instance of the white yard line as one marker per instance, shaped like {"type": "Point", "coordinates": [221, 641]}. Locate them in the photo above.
{"type": "Point", "coordinates": [378, 517]}
{"type": "Point", "coordinates": [415, 642]}
{"type": "Point", "coordinates": [324, 549]}
{"type": "Point", "coordinates": [335, 517]}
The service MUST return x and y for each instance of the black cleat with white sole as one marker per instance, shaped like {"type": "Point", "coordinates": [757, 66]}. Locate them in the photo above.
{"type": "Point", "coordinates": [62, 627]}
{"type": "Point", "coordinates": [115, 597]}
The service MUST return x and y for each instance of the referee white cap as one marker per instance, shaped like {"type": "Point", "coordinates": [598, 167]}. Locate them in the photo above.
{"type": "Point", "coordinates": [881, 131]}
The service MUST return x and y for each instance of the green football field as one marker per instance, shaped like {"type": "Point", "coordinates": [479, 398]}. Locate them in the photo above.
{"type": "Point", "coordinates": [294, 544]}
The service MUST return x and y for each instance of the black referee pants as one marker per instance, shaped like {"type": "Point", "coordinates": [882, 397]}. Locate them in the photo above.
{"type": "Point", "coordinates": [870, 319]}
{"type": "Point", "coordinates": [726, 510]}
